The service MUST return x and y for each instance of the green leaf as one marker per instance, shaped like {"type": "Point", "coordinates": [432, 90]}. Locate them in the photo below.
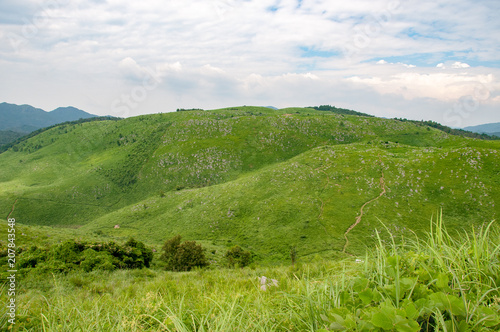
{"type": "Point", "coordinates": [406, 284]}
{"type": "Point", "coordinates": [442, 281]}
{"type": "Point", "coordinates": [360, 284]}
{"type": "Point", "coordinates": [336, 327]}
{"type": "Point", "coordinates": [366, 296]}
{"type": "Point", "coordinates": [411, 311]}
{"type": "Point", "coordinates": [451, 303]}
{"type": "Point", "coordinates": [488, 316]}
{"type": "Point", "coordinates": [407, 326]}
{"type": "Point", "coordinates": [379, 319]}
{"type": "Point", "coordinates": [350, 322]}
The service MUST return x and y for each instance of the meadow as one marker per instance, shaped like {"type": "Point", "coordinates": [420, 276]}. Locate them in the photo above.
{"type": "Point", "coordinates": [349, 195]}
{"type": "Point", "coordinates": [439, 282]}
{"type": "Point", "coordinates": [263, 179]}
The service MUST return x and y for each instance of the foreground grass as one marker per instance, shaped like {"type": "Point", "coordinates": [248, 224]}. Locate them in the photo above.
{"type": "Point", "coordinates": [440, 283]}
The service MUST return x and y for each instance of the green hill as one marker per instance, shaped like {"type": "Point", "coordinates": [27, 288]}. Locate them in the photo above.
{"type": "Point", "coordinates": [264, 179]}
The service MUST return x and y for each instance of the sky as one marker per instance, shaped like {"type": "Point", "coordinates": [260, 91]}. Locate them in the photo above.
{"type": "Point", "coordinates": [425, 60]}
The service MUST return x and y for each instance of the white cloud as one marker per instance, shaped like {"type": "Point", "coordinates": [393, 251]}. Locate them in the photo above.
{"type": "Point", "coordinates": [218, 53]}
{"type": "Point", "coordinates": [453, 65]}
{"type": "Point", "coordinates": [442, 86]}
{"type": "Point", "coordinates": [457, 65]}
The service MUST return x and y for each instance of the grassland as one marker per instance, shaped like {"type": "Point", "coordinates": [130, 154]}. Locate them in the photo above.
{"type": "Point", "coordinates": [266, 180]}
{"type": "Point", "coordinates": [437, 282]}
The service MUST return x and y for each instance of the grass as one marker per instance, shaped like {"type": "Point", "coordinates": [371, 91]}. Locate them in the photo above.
{"type": "Point", "coordinates": [262, 179]}
{"type": "Point", "coordinates": [439, 282]}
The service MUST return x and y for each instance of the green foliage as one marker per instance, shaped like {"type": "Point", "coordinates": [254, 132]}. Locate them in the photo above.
{"type": "Point", "coordinates": [337, 110]}
{"type": "Point", "coordinates": [136, 255]}
{"type": "Point", "coordinates": [236, 256]}
{"type": "Point", "coordinates": [183, 256]}
{"type": "Point", "coordinates": [189, 109]}
{"type": "Point", "coordinates": [96, 260]}
{"type": "Point", "coordinates": [169, 250]}
{"type": "Point", "coordinates": [73, 255]}
{"type": "Point", "coordinates": [441, 283]}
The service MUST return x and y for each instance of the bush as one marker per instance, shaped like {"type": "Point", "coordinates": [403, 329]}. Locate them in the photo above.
{"type": "Point", "coordinates": [170, 249]}
{"type": "Point", "coordinates": [136, 254]}
{"type": "Point", "coordinates": [31, 257]}
{"type": "Point", "coordinates": [183, 256]}
{"type": "Point", "coordinates": [72, 255]}
{"type": "Point", "coordinates": [238, 257]}
{"type": "Point", "coordinates": [94, 260]}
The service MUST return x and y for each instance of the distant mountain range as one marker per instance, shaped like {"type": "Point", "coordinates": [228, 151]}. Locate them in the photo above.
{"type": "Point", "coordinates": [19, 120]}
{"type": "Point", "coordinates": [488, 128]}
{"type": "Point", "coordinates": [26, 118]}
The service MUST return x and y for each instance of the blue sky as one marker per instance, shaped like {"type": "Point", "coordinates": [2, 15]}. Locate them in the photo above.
{"type": "Point", "coordinates": [436, 60]}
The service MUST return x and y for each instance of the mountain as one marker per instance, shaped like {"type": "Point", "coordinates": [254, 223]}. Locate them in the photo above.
{"type": "Point", "coordinates": [25, 118]}
{"type": "Point", "coordinates": [266, 180]}
{"type": "Point", "coordinates": [488, 128]}
{"type": "Point", "coordinates": [63, 114]}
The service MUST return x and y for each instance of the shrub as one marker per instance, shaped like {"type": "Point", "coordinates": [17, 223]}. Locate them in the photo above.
{"type": "Point", "coordinates": [189, 255]}
{"type": "Point", "coordinates": [31, 257]}
{"type": "Point", "coordinates": [94, 260]}
{"type": "Point", "coordinates": [183, 256]}
{"type": "Point", "coordinates": [136, 254]}
{"type": "Point", "coordinates": [72, 255]}
{"type": "Point", "coordinates": [238, 257]}
{"type": "Point", "coordinates": [170, 249]}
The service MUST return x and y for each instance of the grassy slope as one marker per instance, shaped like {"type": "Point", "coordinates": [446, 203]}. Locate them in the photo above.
{"type": "Point", "coordinates": [434, 283]}
{"type": "Point", "coordinates": [252, 176]}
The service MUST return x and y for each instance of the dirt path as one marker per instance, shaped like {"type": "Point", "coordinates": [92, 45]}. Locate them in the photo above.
{"type": "Point", "coordinates": [13, 206]}
{"type": "Point", "coordinates": [358, 218]}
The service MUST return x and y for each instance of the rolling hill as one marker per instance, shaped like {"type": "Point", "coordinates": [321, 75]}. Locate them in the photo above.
{"type": "Point", "coordinates": [264, 179]}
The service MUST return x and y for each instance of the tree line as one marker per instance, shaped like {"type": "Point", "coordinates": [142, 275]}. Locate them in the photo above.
{"type": "Point", "coordinates": [74, 255]}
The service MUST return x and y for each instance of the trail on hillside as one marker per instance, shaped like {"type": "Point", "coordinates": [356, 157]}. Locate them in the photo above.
{"type": "Point", "coordinates": [13, 207]}
{"type": "Point", "coordinates": [358, 218]}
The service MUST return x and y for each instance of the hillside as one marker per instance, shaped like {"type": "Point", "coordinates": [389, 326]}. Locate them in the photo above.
{"type": "Point", "coordinates": [24, 119]}
{"type": "Point", "coordinates": [7, 136]}
{"type": "Point", "coordinates": [261, 178]}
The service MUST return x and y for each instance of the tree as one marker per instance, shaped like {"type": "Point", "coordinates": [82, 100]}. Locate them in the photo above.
{"type": "Point", "coordinates": [238, 257]}
{"type": "Point", "coordinates": [136, 254]}
{"type": "Point", "coordinates": [189, 255]}
{"type": "Point", "coordinates": [170, 249]}
{"type": "Point", "coordinates": [183, 256]}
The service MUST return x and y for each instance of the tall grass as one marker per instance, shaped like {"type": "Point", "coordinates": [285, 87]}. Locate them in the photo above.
{"type": "Point", "coordinates": [443, 282]}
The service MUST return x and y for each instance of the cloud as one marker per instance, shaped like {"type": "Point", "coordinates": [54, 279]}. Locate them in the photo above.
{"type": "Point", "coordinates": [453, 65]}
{"type": "Point", "coordinates": [445, 86]}
{"type": "Point", "coordinates": [219, 53]}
